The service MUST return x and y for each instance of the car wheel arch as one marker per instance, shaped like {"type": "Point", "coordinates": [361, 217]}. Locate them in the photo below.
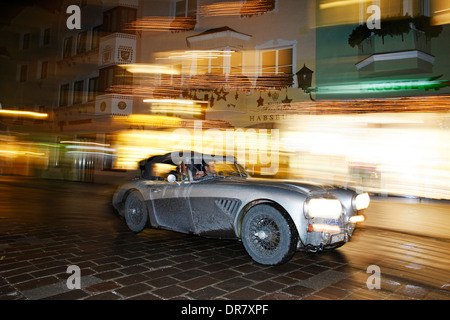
{"type": "Point", "coordinates": [257, 202]}
{"type": "Point", "coordinates": [124, 198]}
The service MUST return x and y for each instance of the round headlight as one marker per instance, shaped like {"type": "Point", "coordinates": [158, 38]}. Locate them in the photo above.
{"type": "Point", "coordinates": [324, 208]}
{"type": "Point", "coordinates": [361, 201]}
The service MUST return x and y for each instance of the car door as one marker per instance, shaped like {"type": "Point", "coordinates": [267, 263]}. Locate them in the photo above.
{"type": "Point", "coordinates": [213, 211]}
{"type": "Point", "coordinates": [171, 206]}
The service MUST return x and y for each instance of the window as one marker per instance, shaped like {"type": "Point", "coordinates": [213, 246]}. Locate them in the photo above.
{"type": "Point", "coordinates": [93, 88]}
{"type": "Point", "coordinates": [116, 19]}
{"type": "Point", "coordinates": [64, 95]}
{"type": "Point", "coordinates": [95, 40]}
{"type": "Point", "coordinates": [25, 41]}
{"type": "Point", "coordinates": [106, 78]}
{"type": "Point", "coordinates": [23, 73]}
{"type": "Point", "coordinates": [46, 37]}
{"type": "Point", "coordinates": [185, 15]}
{"type": "Point", "coordinates": [236, 62]}
{"type": "Point", "coordinates": [44, 70]}
{"type": "Point", "coordinates": [186, 8]}
{"type": "Point", "coordinates": [81, 42]}
{"type": "Point", "coordinates": [67, 50]}
{"type": "Point", "coordinates": [210, 62]}
{"type": "Point", "coordinates": [276, 61]}
{"type": "Point", "coordinates": [78, 92]}
{"type": "Point", "coordinates": [113, 76]}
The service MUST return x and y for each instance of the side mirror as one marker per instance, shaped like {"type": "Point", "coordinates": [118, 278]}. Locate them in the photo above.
{"type": "Point", "coordinates": [171, 178]}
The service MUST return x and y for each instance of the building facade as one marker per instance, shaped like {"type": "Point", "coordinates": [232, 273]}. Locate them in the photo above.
{"type": "Point", "coordinates": [406, 54]}
{"type": "Point", "coordinates": [333, 82]}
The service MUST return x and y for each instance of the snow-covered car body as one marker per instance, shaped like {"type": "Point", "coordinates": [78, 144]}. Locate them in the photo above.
{"type": "Point", "coordinates": [266, 214]}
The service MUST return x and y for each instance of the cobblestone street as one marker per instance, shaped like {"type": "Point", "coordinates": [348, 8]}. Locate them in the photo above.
{"type": "Point", "coordinates": [47, 226]}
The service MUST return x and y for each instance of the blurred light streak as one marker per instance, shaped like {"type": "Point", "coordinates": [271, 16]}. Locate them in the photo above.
{"type": "Point", "coordinates": [134, 146]}
{"type": "Point", "coordinates": [236, 8]}
{"type": "Point", "coordinates": [440, 12]}
{"type": "Point", "coordinates": [90, 148]}
{"type": "Point", "coordinates": [174, 101]}
{"type": "Point", "coordinates": [318, 227]}
{"type": "Point", "coordinates": [255, 7]}
{"type": "Point", "coordinates": [84, 143]}
{"type": "Point", "coordinates": [437, 103]}
{"type": "Point", "coordinates": [24, 113]}
{"type": "Point", "coordinates": [221, 9]}
{"type": "Point", "coordinates": [207, 82]}
{"type": "Point", "coordinates": [149, 68]}
{"type": "Point", "coordinates": [156, 121]}
{"type": "Point", "coordinates": [388, 153]}
{"type": "Point", "coordinates": [358, 218]}
{"type": "Point", "coordinates": [194, 55]}
{"type": "Point", "coordinates": [384, 86]}
{"type": "Point", "coordinates": [339, 3]}
{"type": "Point", "coordinates": [333, 13]}
{"type": "Point", "coordinates": [161, 24]}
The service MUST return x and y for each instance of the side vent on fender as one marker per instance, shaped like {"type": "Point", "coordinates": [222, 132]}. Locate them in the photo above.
{"type": "Point", "coordinates": [229, 206]}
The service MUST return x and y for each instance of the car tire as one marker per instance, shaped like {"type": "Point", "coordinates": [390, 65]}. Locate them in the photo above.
{"type": "Point", "coordinates": [135, 212]}
{"type": "Point", "coordinates": [268, 235]}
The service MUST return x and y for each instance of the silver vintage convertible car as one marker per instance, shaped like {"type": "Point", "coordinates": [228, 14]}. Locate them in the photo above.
{"type": "Point", "coordinates": [215, 197]}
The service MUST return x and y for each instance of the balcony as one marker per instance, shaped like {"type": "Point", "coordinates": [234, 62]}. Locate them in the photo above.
{"type": "Point", "coordinates": [113, 105]}
{"type": "Point", "coordinates": [400, 54]}
{"type": "Point", "coordinates": [402, 46]}
{"type": "Point", "coordinates": [117, 48]}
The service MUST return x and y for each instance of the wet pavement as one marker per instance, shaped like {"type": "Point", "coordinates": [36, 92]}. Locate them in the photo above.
{"type": "Point", "coordinates": [49, 226]}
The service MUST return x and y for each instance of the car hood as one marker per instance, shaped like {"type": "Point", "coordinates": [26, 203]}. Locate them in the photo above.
{"type": "Point", "coordinates": [302, 186]}
{"type": "Point", "coordinates": [293, 185]}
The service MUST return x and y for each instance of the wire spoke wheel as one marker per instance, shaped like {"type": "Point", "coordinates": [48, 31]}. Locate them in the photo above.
{"type": "Point", "coordinates": [268, 236]}
{"type": "Point", "coordinates": [135, 212]}
{"type": "Point", "coordinates": [265, 234]}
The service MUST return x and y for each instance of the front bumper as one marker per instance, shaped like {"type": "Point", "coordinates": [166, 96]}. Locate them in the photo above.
{"type": "Point", "coordinates": [328, 233]}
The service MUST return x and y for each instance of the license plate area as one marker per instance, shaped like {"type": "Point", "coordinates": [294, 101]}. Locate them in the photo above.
{"type": "Point", "coordinates": [338, 238]}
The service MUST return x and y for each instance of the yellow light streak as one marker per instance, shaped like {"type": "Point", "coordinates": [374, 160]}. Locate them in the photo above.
{"type": "Point", "coordinates": [340, 3]}
{"type": "Point", "coordinates": [318, 227]}
{"type": "Point", "coordinates": [149, 68]}
{"type": "Point", "coordinates": [24, 113]}
{"type": "Point", "coordinates": [22, 152]}
{"type": "Point", "coordinates": [358, 218]}
{"type": "Point", "coordinates": [85, 143]}
{"type": "Point", "coordinates": [174, 101]}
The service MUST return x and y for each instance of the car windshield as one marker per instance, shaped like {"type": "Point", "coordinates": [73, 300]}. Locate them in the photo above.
{"type": "Point", "coordinates": [218, 169]}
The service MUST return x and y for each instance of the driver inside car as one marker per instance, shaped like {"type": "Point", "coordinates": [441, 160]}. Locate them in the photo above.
{"type": "Point", "coordinates": [209, 170]}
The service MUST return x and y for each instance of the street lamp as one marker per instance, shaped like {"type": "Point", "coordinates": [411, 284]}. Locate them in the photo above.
{"type": "Point", "coordinates": [304, 80]}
